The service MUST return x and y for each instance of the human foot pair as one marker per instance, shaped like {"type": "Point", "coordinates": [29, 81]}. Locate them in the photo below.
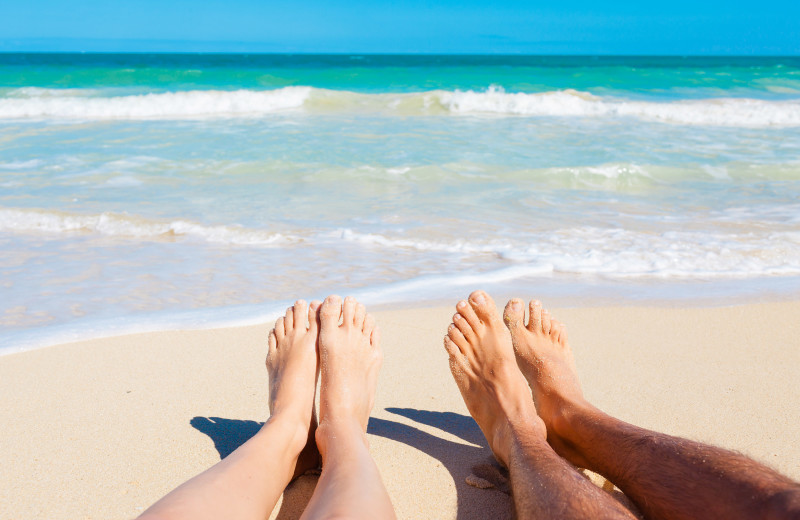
{"type": "Point", "coordinates": [492, 359]}
{"type": "Point", "coordinates": [337, 342]}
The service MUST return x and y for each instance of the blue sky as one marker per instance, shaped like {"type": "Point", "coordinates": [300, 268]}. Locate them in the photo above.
{"type": "Point", "coordinates": [466, 26]}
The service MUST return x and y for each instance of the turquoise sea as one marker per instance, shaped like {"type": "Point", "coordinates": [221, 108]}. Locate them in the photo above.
{"type": "Point", "coordinates": [147, 191]}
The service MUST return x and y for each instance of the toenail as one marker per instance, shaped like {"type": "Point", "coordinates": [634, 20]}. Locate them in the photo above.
{"type": "Point", "coordinates": [515, 305]}
{"type": "Point", "coordinates": [462, 304]}
{"type": "Point", "coordinates": [480, 299]}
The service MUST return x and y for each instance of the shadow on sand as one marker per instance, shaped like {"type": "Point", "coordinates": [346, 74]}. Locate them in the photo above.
{"type": "Point", "coordinates": [229, 434]}
{"type": "Point", "coordinates": [457, 458]}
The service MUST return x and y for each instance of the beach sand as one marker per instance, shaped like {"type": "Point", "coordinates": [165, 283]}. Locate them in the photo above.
{"type": "Point", "coordinates": [103, 428]}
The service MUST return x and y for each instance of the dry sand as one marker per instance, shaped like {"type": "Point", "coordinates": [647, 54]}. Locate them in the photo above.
{"type": "Point", "coordinates": [101, 429]}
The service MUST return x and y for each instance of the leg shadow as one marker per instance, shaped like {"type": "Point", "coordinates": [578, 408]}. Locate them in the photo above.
{"type": "Point", "coordinates": [465, 427]}
{"type": "Point", "coordinates": [229, 434]}
{"type": "Point", "coordinates": [459, 459]}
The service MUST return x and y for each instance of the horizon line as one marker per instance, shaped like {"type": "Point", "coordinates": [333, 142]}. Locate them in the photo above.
{"type": "Point", "coordinates": [406, 53]}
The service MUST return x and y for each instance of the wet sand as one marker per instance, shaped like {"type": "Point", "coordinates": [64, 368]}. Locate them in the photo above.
{"type": "Point", "coordinates": [102, 428]}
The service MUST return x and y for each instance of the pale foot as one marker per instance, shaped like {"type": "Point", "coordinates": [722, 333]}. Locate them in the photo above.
{"type": "Point", "coordinates": [350, 359]}
{"type": "Point", "coordinates": [483, 365]}
{"type": "Point", "coordinates": [293, 366]}
{"type": "Point", "coordinates": [545, 359]}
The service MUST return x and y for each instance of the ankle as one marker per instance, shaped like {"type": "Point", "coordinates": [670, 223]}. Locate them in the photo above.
{"type": "Point", "coordinates": [517, 430]}
{"type": "Point", "coordinates": [331, 434]}
{"type": "Point", "coordinates": [568, 424]}
{"type": "Point", "coordinates": [295, 431]}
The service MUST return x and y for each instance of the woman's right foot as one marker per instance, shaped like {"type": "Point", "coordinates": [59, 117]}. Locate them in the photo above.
{"type": "Point", "coordinates": [545, 359]}
{"type": "Point", "coordinates": [293, 367]}
{"type": "Point", "coordinates": [350, 359]}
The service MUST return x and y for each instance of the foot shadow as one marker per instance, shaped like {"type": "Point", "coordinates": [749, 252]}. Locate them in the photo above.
{"type": "Point", "coordinates": [459, 459]}
{"type": "Point", "coordinates": [229, 434]}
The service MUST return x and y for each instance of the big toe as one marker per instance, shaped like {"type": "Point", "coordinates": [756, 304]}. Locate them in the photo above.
{"type": "Point", "coordinates": [514, 315]}
{"type": "Point", "coordinates": [484, 306]}
{"type": "Point", "coordinates": [330, 312]}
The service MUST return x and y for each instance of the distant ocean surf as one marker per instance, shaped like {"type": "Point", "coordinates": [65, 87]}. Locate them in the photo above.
{"type": "Point", "coordinates": [149, 191]}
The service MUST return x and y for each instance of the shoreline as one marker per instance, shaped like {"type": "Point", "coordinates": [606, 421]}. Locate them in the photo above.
{"type": "Point", "coordinates": [554, 293]}
{"type": "Point", "coordinates": [103, 428]}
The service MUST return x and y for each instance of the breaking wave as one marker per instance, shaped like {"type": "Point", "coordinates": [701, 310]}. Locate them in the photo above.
{"type": "Point", "coordinates": [124, 226]}
{"type": "Point", "coordinates": [76, 104]}
{"type": "Point", "coordinates": [581, 250]}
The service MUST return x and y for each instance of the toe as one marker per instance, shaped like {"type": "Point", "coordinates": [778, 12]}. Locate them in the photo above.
{"type": "Point", "coordinates": [484, 307]}
{"type": "Point", "coordinates": [458, 338]}
{"type": "Point", "coordinates": [375, 338]}
{"type": "Point", "coordinates": [289, 319]}
{"type": "Point", "coordinates": [300, 314]}
{"type": "Point", "coordinates": [535, 319]}
{"type": "Point", "coordinates": [555, 329]}
{"type": "Point", "coordinates": [451, 347]}
{"type": "Point", "coordinates": [369, 324]}
{"type": "Point", "coordinates": [468, 313]}
{"type": "Point", "coordinates": [358, 319]}
{"type": "Point", "coordinates": [546, 323]}
{"type": "Point", "coordinates": [514, 315]}
{"type": "Point", "coordinates": [280, 330]}
{"type": "Point", "coordinates": [465, 328]}
{"type": "Point", "coordinates": [272, 343]}
{"type": "Point", "coordinates": [330, 311]}
{"type": "Point", "coordinates": [459, 366]}
{"type": "Point", "coordinates": [313, 316]}
{"type": "Point", "coordinates": [348, 310]}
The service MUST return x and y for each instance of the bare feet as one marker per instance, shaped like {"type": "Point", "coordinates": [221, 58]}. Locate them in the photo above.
{"type": "Point", "coordinates": [292, 364]}
{"type": "Point", "coordinates": [483, 365]}
{"type": "Point", "coordinates": [546, 361]}
{"type": "Point", "coordinates": [350, 359]}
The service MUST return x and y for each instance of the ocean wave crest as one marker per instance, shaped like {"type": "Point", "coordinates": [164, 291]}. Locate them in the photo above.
{"type": "Point", "coordinates": [194, 104]}
{"type": "Point", "coordinates": [583, 250]}
{"type": "Point", "coordinates": [74, 104]}
{"type": "Point", "coordinates": [124, 226]}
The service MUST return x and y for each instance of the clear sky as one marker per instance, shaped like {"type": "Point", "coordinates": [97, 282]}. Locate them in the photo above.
{"type": "Point", "coordinates": [404, 26]}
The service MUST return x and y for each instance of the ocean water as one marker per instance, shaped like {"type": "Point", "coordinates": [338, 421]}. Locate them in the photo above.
{"type": "Point", "coordinates": [153, 191]}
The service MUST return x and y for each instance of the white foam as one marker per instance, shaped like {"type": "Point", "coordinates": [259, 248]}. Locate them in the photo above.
{"type": "Point", "coordinates": [76, 104]}
{"type": "Point", "coordinates": [124, 226]}
{"type": "Point", "coordinates": [713, 112]}
{"type": "Point", "coordinates": [621, 253]}
{"type": "Point", "coordinates": [582, 250]}
{"type": "Point", "coordinates": [53, 104]}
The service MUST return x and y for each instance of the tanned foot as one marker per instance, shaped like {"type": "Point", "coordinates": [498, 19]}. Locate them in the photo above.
{"type": "Point", "coordinates": [545, 359]}
{"type": "Point", "coordinates": [350, 359]}
{"type": "Point", "coordinates": [483, 365]}
{"type": "Point", "coordinates": [293, 366]}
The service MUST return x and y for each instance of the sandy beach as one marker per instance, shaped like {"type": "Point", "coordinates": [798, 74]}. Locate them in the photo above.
{"type": "Point", "coordinates": [103, 428]}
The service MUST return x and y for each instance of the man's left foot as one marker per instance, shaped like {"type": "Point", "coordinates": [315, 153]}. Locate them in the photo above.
{"type": "Point", "coordinates": [293, 367]}
{"type": "Point", "coordinates": [483, 365]}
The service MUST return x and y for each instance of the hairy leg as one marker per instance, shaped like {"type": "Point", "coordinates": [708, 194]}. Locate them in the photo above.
{"type": "Point", "coordinates": [247, 483]}
{"type": "Point", "coordinates": [667, 477]}
{"type": "Point", "coordinates": [482, 361]}
{"type": "Point", "coordinates": [350, 485]}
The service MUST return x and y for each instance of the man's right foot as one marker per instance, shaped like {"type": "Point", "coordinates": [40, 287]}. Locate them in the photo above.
{"type": "Point", "coordinates": [545, 359]}
{"type": "Point", "coordinates": [350, 359]}
{"type": "Point", "coordinates": [483, 365]}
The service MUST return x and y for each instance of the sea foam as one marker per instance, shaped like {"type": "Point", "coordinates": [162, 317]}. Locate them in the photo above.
{"type": "Point", "coordinates": [72, 104]}
{"type": "Point", "coordinates": [125, 226]}
{"type": "Point", "coordinates": [194, 104]}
